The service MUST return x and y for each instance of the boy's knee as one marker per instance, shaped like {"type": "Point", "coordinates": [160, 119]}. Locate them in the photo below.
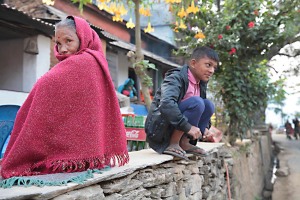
{"type": "Point", "coordinates": [197, 103]}
{"type": "Point", "coordinates": [209, 106]}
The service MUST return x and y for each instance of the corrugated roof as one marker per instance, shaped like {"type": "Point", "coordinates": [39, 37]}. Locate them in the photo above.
{"type": "Point", "coordinates": [148, 54]}
{"type": "Point", "coordinates": [63, 15]}
{"type": "Point", "coordinates": [20, 20]}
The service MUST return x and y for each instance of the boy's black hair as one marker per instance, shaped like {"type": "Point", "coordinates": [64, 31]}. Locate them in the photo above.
{"type": "Point", "coordinates": [201, 52]}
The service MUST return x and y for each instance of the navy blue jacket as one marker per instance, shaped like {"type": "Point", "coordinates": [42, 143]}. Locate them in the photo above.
{"type": "Point", "coordinates": [164, 115]}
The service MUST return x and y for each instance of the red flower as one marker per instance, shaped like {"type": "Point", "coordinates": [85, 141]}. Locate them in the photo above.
{"type": "Point", "coordinates": [251, 24]}
{"type": "Point", "coordinates": [220, 37]}
{"type": "Point", "coordinates": [232, 51]}
{"type": "Point", "coordinates": [228, 27]}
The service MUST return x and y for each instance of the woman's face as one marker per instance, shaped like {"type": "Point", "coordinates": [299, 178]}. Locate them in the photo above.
{"type": "Point", "coordinates": [66, 40]}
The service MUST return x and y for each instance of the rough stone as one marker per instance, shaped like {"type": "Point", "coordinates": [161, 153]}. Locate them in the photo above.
{"type": "Point", "coordinates": [282, 172]}
{"type": "Point", "coordinates": [157, 177]}
{"type": "Point", "coordinates": [196, 196]}
{"type": "Point", "coordinates": [213, 171]}
{"type": "Point", "coordinates": [225, 153]}
{"type": "Point", "coordinates": [204, 170]}
{"type": "Point", "coordinates": [156, 192]}
{"type": "Point", "coordinates": [94, 192]}
{"type": "Point", "coordinates": [139, 194]}
{"type": "Point", "coordinates": [205, 191]}
{"type": "Point", "coordinates": [220, 196]}
{"type": "Point", "coordinates": [170, 165]}
{"type": "Point", "coordinates": [169, 190]}
{"type": "Point", "coordinates": [186, 174]}
{"type": "Point", "coordinates": [193, 184]}
{"type": "Point", "coordinates": [230, 161]}
{"type": "Point", "coordinates": [114, 196]}
{"type": "Point", "coordinates": [182, 196]}
{"type": "Point", "coordinates": [133, 184]}
{"type": "Point", "coordinates": [193, 168]}
{"type": "Point", "coordinates": [175, 197]}
{"type": "Point", "coordinates": [200, 163]}
{"type": "Point", "coordinates": [178, 176]}
{"type": "Point", "coordinates": [267, 194]}
{"type": "Point", "coordinates": [118, 185]}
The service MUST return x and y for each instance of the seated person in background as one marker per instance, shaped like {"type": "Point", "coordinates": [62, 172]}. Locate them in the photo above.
{"type": "Point", "coordinates": [71, 120]}
{"type": "Point", "coordinates": [180, 113]}
{"type": "Point", "coordinates": [128, 89]}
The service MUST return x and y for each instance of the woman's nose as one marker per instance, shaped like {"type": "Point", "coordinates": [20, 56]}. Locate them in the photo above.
{"type": "Point", "coordinates": [63, 49]}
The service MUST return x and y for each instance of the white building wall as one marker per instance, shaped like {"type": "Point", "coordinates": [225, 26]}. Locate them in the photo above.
{"type": "Point", "coordinates": [29, 66]}
{"type": "Point", "coordinates": [124, 64]}
{"type": "Point", "coordinates": [12, 98]}
{"type": "Point", "coordinates": [11, 71]}
{"type": "Point", "coordinates": [20, 69]}
{"type": "Point", "coordinates": [35, 65]}
{"type": "Point", "coordinates": [43, 58]}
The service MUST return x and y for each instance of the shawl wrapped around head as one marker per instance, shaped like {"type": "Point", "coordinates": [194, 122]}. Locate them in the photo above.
{"type": "Point", "coordinates": [71, 119]}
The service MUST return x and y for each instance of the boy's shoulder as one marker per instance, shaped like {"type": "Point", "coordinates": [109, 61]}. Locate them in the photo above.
{"type": "Point", "coordinates": [181, 70]}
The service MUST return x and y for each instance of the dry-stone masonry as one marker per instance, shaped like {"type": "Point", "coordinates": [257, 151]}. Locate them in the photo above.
{"type": "Point", "coordinates": [161, 177]}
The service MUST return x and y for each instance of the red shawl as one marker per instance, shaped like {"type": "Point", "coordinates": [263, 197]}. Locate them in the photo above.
{"type": "Point", "coordinates": [71, 119]}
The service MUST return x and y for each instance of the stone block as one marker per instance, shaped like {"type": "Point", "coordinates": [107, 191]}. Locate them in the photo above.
{"type": "Point", "coordinates": [182, 196]}
{"type": "Point", "coordinates": [138, 194]}
{"type": "Point", "coordinates": [205, 191]}
{"type": "Point", "coordinates": [121, 184]}
{"type": "Point", "coordinates": [93, 192]}
{"type": "Point", "coordinates": [170, 165]}
{"type": "Point", "coordinates": [200, 163]}
{"type": "Point", "coordinates": [193, 169]}
{"type": "Point", "coordinates": [114, 196]}
{"type": "Point", "coordinates": [282, 172]}
{"type": "Point", "coordinates": [156, 192]}
{"type": "Point", "coordinates": [193, 185]}
{"type": "Point", "coordinates": [157, 177]}
{"type": "Point", "coordinates": [169, 190]}
{"type": "Point", "coordinates": [133, 184]}
{"type": "Point", "coordinates": [196, 196]}
{"type": "Point", "coordinates": [178, 176]}
{"type": "Point", "coordinates": [204, 170]}
{"type": "Point", "coordinates": [220, 196]}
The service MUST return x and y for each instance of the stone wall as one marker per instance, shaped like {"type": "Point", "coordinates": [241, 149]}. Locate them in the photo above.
{"type": "Point", "coordinates": [152, 176]}
{"type": "Point", "coordinates": [196, 179]}
{"type": "Point", "coordinates": [252, 170]}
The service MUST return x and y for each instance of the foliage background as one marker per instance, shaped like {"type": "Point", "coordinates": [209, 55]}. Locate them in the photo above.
{"type": "Point", "coordinates": [246, 34]}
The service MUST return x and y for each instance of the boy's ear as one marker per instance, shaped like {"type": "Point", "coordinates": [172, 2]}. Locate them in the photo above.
{"type": "Point", "coordinates": [192, 63]}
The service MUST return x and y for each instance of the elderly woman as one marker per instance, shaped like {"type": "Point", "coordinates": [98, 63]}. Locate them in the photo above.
{"type": "Point", "coordinates": [71, 120]}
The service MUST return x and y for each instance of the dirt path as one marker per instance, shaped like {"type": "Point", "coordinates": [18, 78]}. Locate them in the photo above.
{"type": "Point", "coordinates": [288, 188]}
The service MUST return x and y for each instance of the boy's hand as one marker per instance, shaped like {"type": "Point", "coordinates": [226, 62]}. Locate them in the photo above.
{"type": "Point", "coordinates": [195, 132]}
{"type": "Point", "coordinates": [208, 135]}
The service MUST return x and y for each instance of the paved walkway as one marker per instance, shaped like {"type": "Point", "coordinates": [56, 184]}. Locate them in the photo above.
{"type": "Point", "coordinates": [288, 188]}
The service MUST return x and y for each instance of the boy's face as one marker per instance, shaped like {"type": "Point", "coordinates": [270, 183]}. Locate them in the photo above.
{"type": "Point", "coordinates": [203, 68]}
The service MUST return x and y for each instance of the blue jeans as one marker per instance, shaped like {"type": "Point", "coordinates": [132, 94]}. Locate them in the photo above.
{"type": "Point", "coordinates": [198, 111]}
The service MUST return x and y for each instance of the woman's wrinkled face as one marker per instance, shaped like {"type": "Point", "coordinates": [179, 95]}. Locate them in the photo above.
{"type": "Point", "coordinates": [66, 40]}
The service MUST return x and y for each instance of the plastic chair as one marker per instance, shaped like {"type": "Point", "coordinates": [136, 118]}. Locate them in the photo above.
{"type": "Point", "coordinates": [8, 112]}
{"type": "Point", "coordinates": [7, 118]}
{"type": "Point", "coordinates": [139, 109]}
